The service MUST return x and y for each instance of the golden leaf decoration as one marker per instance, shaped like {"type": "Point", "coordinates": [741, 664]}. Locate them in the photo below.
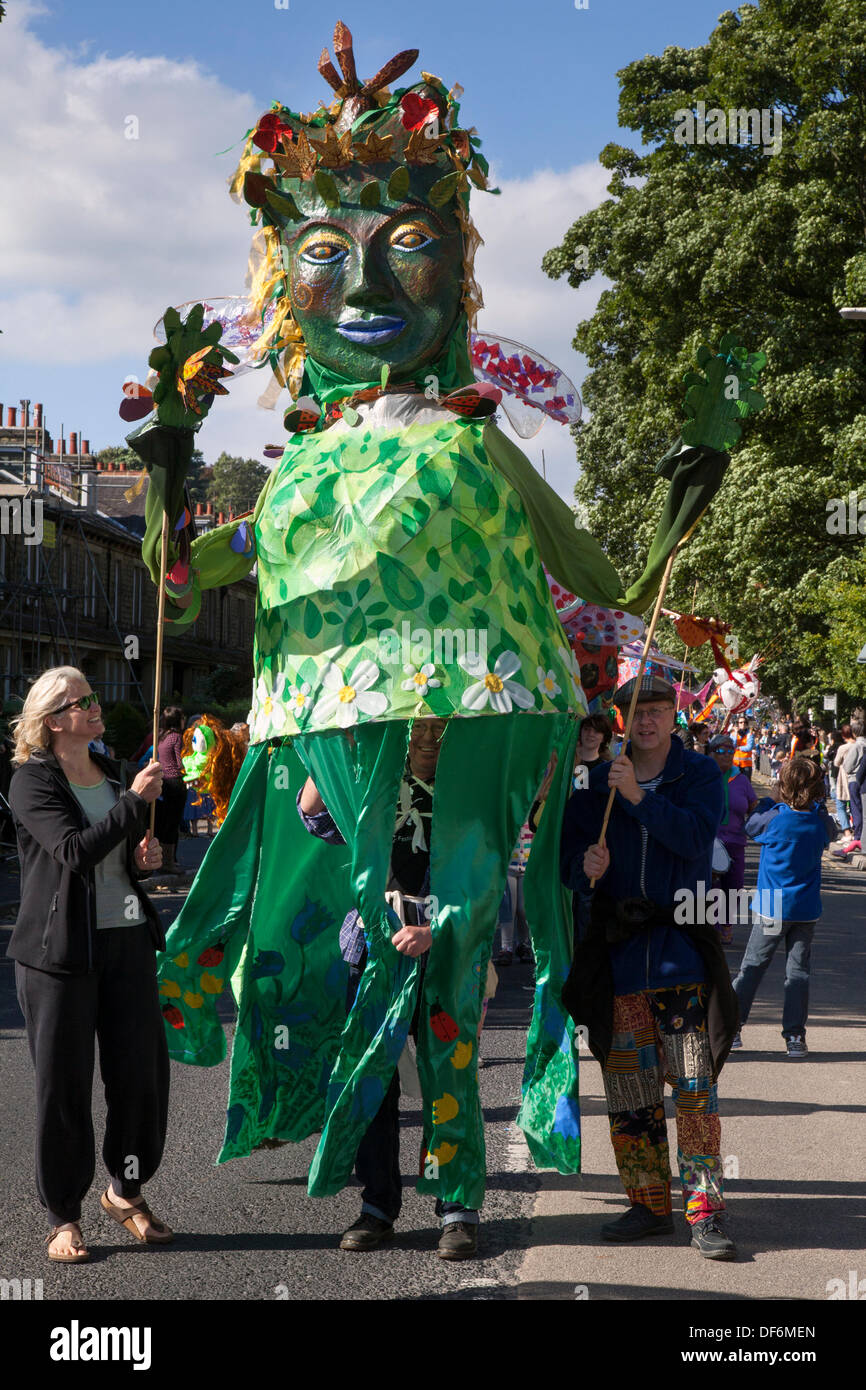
{"type": "Point", "coordinates": [335, 151]}
{"type": "Point", "coordinates": [306, 156]}
{"type": "Point", "coordinates": [376, 149]}
{"type": "Point", "coordinates": [299, 160]}
{"type": "Point", "coordinates": [287, 163]}
{"type": "Point", "coordinates": [420, 149]}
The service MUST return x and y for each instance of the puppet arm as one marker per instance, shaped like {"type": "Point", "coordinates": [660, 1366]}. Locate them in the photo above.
{"type": "Point", "coordinates": [570, 554]}
{"type": "Point", "coordinates": [219, 557]}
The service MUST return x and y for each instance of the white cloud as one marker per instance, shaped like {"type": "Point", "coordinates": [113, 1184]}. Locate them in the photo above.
{"type": "Point", "coordinates": [101, 232]}
{"type": "Point", "coordinates": [529, 217]}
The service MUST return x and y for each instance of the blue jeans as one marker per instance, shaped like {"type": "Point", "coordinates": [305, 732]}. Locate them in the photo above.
{"type": "Point", "coordinates": [758, 954]}
{"type": "Point", "coordinates": [842, 813]}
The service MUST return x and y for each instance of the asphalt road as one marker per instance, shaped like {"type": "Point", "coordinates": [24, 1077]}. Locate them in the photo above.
{"type": "Point", "coordinates": [794, 1133]}
{"type": "Point", "coordinates": [246, 1228]}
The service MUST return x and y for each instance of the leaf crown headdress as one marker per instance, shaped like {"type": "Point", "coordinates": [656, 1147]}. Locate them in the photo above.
{"type": "Point", "coordinates": [380, 133]}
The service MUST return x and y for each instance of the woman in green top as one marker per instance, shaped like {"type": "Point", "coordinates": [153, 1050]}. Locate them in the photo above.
{"type": "Point", "coordinates": [83, 947]}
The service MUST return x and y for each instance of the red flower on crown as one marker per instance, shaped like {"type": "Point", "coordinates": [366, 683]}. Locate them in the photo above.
{"type": "Point", "coordinates": [416, 110]}
{"type": "Point", "coordinates": [270, 131]}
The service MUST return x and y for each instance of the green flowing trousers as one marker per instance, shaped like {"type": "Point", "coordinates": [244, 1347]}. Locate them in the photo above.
{"type": "Point", "coordinates": [265, 912]}
{"type": "Point", "coordinates": [487, 774]}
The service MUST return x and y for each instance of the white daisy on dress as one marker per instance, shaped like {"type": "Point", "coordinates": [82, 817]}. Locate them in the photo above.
{"type": "Point", "coordinates": [342, 700]}
{"type": "Point", "coordinates": [298, 695]}
{"type": "Point", "coordinates": [547, 683]}
{"type": "Point", "coordinates": [420, 679]}
{"type": "Point", "coordinates": [495, 688]}
{"type": "Point", "coordinates": [268, 702]}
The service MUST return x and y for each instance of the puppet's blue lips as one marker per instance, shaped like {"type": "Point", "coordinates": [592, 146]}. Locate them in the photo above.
{"type": "Point", "coordinates": [378, 330]}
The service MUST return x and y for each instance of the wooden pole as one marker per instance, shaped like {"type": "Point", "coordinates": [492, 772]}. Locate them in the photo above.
{"type": "Point", "coordinates": [160, 630]}
{"type": "Point", "coordinates": [636, 691]}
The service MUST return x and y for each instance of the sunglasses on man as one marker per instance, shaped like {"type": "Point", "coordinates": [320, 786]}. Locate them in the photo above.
{"type": "Point", "coordinates": [83, 704]}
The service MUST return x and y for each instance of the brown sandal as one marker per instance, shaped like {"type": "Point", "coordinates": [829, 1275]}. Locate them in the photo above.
{"type": "Point", "coordinates": [78, 1252]}
{"type": "Point", "coordinates": [124, 1216]}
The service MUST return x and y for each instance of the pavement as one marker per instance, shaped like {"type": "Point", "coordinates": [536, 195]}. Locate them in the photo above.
{"type": "Point", "coordinates": [793, 1140]}
{"type": "Point", "coordinates": [793, 1137]}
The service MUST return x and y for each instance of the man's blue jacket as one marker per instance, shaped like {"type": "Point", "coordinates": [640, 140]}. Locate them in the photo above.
{"type": "Point", "coordinates": [681, 818]}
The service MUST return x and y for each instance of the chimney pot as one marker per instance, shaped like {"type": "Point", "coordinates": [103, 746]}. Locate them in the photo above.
{"type": "Point", "coordinates": [73, 443]}
{"type": "Point", "coordinates": [37, 418]}
{"type": "Point", "coordinates": [11, 416]}
{"type": "Point", "coordinates": [198, 509]}
{"type": "Point", "coordinates": [221, 519]}
{"type": "Point", "coordinates": [85, 446]}
{"type": "Point", "coordinates": [63, 446]}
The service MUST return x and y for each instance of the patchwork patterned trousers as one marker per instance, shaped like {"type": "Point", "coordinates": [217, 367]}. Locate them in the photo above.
{"type": "Point", "coordinates": [660, 1035]}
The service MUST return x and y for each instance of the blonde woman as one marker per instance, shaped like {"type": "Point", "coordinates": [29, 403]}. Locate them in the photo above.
{"type": "Point", "coordinates": [84, 949]}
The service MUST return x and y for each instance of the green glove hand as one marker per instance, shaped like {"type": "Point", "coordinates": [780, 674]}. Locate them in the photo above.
{"type": "Point", "coordinates": [723, 395]}
{"type": "Point", "coordinates": [178, 395]}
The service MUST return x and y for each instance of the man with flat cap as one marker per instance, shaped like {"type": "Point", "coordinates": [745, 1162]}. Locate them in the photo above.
{"type": "Point", "coordinates": [650, 982]}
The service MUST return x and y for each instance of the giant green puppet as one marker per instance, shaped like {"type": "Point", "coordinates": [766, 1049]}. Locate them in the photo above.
{"type": "Point", "coordinates": [398, 507]}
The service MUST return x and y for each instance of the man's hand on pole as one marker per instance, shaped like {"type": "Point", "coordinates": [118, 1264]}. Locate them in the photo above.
{"type": "Point", "coordinates": [596, 862]}
{"type": "Point", "coordinates": [621, 777]}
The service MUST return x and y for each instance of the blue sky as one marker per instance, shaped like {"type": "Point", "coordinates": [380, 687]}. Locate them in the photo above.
{"type": "Point", "coordinates": [104, 232]}
{"type": "Point", "coordinates": [540, 78]}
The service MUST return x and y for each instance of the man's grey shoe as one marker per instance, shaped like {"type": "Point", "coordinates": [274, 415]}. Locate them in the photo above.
{"type": "Point", "coordinates": [709, 1237]}
{"type": "Point", "coordinates": [459, 1240]}
{"type": "Point", "coordinates": [797, 1047]}
{"type": "Point", "coordinates": [368, 1233]}
{"type": "Point", "coordinates": [638, 1221]}
{"type": "Point", "coordinates": [738, 1041]}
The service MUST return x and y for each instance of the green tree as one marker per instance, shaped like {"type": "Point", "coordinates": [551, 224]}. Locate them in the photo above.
{"type": "Point", "coordinates": [117, 453]}
{"type": "Point", "coordinates": [199, 478]}
{"type": "Point", "coordinates": [700, 237]}
{"type": "Point", "coordinates": [237, 483]}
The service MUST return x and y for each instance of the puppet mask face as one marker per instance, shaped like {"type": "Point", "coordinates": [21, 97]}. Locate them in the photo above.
{"type": "Point", "coordinates": [374, 286]}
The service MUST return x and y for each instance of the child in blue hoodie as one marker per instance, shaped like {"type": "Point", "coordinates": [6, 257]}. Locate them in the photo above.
{"type": "Point", "coordinates": [793, 837]}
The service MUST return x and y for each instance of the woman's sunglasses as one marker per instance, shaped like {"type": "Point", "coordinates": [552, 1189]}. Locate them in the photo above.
{"type": "Point", "coordinates": [83, 704]}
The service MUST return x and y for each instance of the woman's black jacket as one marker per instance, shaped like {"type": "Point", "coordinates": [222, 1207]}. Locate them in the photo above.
{"type": "Point", "coordinates": [58, 852]}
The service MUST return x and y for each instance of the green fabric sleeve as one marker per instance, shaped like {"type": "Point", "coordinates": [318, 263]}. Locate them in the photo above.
{"type": "Point", "coordinates": [571, 554]}
{"type": "Point", "coordinates": [213, 563]}
{"type": "Point", "coordinates": [573, 557]}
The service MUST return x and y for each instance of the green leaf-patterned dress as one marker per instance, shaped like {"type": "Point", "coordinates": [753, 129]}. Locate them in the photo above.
{"type": "Point", "coordinates": [399, 576]}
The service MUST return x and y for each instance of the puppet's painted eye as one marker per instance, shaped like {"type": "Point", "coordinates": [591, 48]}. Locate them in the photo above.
{"type": "Point", "coordinates": [323, 252]}
{"type": "Point", "coordinates": [198, 742]}
{"type": "Point", "coordinates": [413, 237]}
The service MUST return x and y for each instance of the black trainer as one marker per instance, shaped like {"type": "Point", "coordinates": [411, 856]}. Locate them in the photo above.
{"type": "Point", "coordinates": [636, 1222]}
{"type": "Point", "coordinates": [459, 1240]}
{"type": "Point", "coordinates": [368, 1233]}
{"type": "Point", "coordinates": [709, 1237]}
